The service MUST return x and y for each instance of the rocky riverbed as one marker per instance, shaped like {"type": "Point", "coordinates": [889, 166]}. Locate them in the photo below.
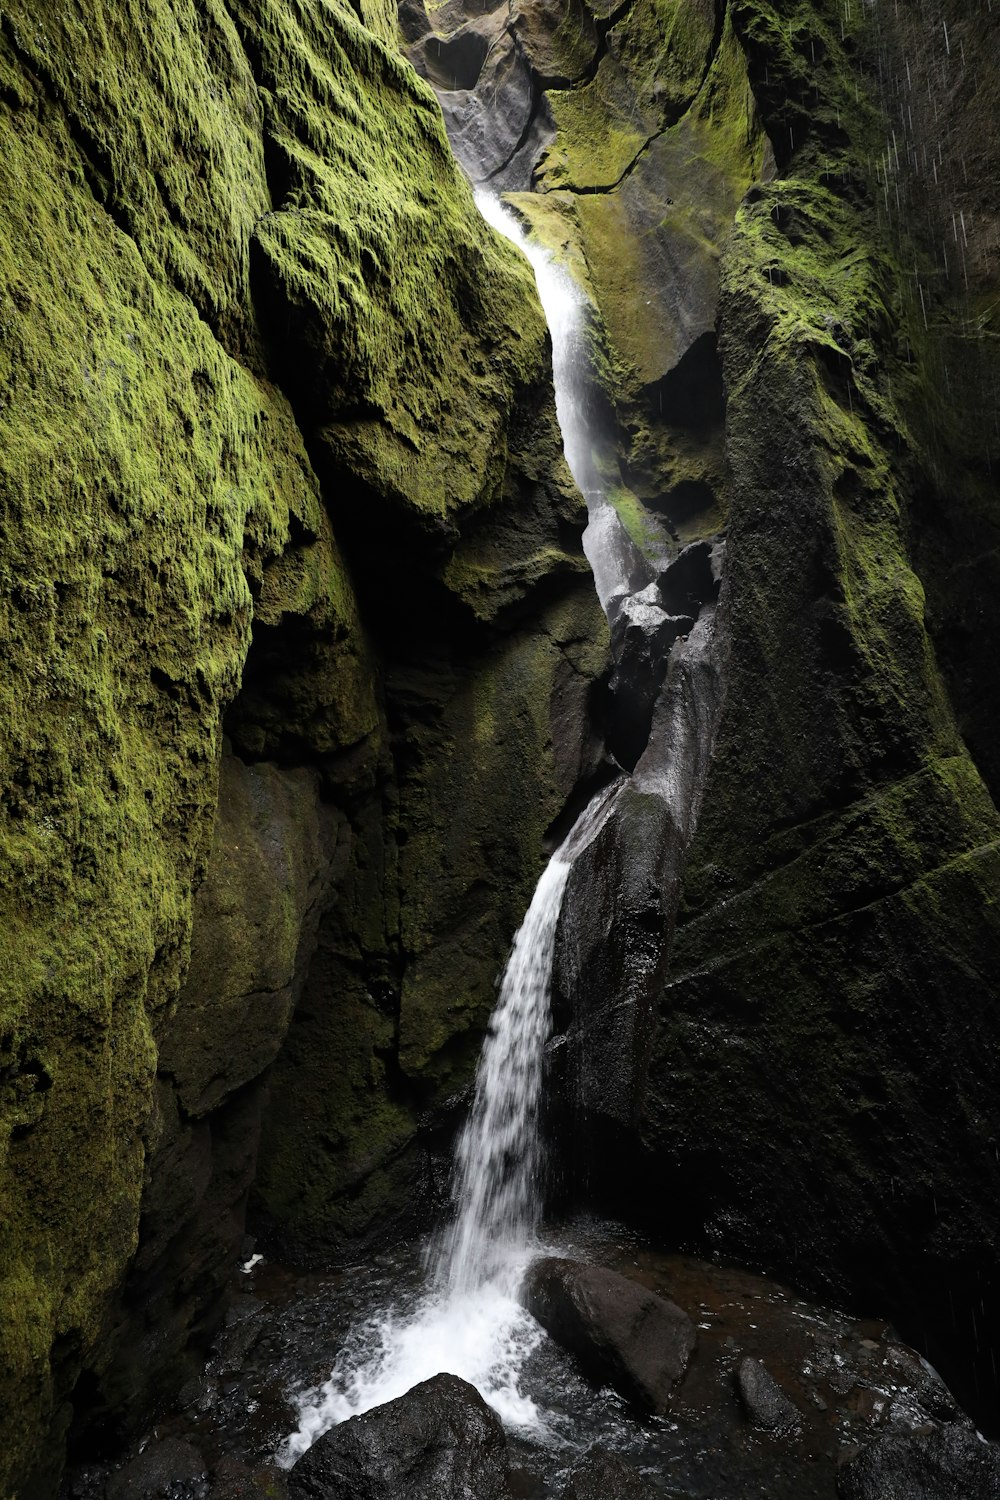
{"type": "Point", "coordinates": [777, 1399]}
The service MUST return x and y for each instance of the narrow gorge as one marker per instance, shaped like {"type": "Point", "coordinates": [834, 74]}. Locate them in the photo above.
{"type": "Point", "coordinates": [450, 454]}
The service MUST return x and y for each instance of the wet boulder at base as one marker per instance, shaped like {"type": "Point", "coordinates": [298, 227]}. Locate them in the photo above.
{"type": "Point", "coordinates": [765, 1403]}
{"type": "Point", "coordinates": [437, 1441]}
{"type": "Point", "coordinates": [622, 1334]}
{"type": "Point", "coordinates": [951, 1463]}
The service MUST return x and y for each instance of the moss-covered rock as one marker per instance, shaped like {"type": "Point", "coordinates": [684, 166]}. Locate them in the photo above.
{"type": "Point", "coordinates": [235, 253]}
{"type": "Point", "coordinates": [273, 857]}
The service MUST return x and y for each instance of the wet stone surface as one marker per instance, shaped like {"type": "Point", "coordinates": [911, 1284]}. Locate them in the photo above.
{"type": "Point", "coordinates": [782, 1399]}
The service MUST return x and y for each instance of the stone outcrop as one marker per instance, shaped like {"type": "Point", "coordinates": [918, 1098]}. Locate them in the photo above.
{"type": "Point", "coordinates": [953, 1463]}
{"type": "Point", "coordinates": [837, 938]}
{"type": "Point", "coordinates": [439, 1439]}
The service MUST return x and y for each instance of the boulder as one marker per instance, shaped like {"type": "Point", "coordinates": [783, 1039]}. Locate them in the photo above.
{"type": "Point", "coordinates": [602, 1476]}
{"type": "Point", "coordinates": [438, 1441]}
{"type": "Point", "coordinates": [641, 638]}
{"type": "Point", "coordinates": [952, 1463]}
{"type": "Point", "coordinates": [621, 1333]}
{"type": "Point", "coordinates": [764, 1402]}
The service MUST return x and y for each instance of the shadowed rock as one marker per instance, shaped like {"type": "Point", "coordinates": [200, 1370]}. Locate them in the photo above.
{"type": "Point", "coordinates": [953, 1463]}
{"type": "Point", "coordinates": [641, 638]}
{"type": "Point", "coordinates": [621, 1333]}
{"type": "Point", "coordinates": [764, 1401]}
{"type": "Point", "coordinates": [437, 1441]}
{"type": "Point", "coordinates": [170, 1469]}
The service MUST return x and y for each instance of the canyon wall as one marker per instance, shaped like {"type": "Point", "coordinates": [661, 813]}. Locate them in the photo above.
{"type": "Point", "coordinates": [299, 646]}
{"type": "Point", "coordinates": [304, 664]}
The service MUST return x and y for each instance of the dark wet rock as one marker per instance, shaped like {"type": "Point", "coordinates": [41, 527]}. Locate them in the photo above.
{"type": "Point", "coordinates": [601, 1476]}
{"type": "Point", "coordinates": [615, 927]}
{"type": "Point", "coordinates": [927, 1396]}
{"type": "Point", "coordinates": [606, 974]}
{"type": "Point", "coordinates": [764, 1401]}
{"type": "Point", "coordinates": [641, 638]}
{"type": "Point", "coordinates": [953, 1463]}
{"type": "Point", "coordinates": [622, 1334]}
{"type": "Point", "coordinates": [693, 578]}
{"type": "Point", "coordinates": [166, 1470]}
{"type": "Point", "coordinates": [526, 1485]}
{"type": "Point", "coordinates": [437, 1441]}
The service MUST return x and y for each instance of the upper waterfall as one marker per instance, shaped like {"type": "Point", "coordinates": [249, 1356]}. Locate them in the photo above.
{"type": "Point", "coordinates": [617, 564]}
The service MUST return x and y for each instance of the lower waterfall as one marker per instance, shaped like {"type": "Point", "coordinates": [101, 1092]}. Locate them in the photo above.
{"type": "Point", "coordinates": [468, 1321]}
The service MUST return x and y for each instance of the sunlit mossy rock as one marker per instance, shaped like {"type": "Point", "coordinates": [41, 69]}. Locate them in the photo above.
{"type": "Point", "coordinates": [274, 401]}
{"type": "Point", "coordinates": [629, 136]}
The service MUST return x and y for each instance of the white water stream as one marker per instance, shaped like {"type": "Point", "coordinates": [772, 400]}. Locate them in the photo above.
{"type": "Point", "coordinates": [469, 1322]}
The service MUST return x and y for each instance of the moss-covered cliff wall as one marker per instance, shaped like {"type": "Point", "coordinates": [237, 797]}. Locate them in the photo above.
{"type": "Point", "coordinates": [276, 417]}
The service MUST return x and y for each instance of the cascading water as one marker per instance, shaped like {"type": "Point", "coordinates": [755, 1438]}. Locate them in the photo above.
{"type": "Point", "coordinates": [468, 1321]}
{"type": "Point", "coordinates": [496, 1174]}
{"type": "Point", "coordinates": [616, 563]}
{"type": "Point", "coordinates": [496, 1186]}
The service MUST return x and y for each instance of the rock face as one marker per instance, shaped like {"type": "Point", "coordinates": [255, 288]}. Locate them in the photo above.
{"type": "Point", "coordinates": [638, 131]}
{"type": "Point", "coordinates": [622, 1334]}
{"type": "Point", "coordinates": [440, 1439]}
{"type": "Point", "coordinates": [837, 939]}
{"type": "Point", "coordinates": [800, 999]}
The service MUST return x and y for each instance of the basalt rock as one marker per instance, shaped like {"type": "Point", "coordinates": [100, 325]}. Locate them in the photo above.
{"type": "Point", "coordinates": [440, 1439]}
{"type": "Point", "coordinates": [952, 1463]}
{"type": "Point", "coordinates": [764, 1402]}
{"type": "Point", "coordinates": [622, 1334]}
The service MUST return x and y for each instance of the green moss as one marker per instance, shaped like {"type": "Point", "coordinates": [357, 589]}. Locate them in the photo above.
{"type": "Point", "coordinates": [377, 263]}
{"type": "Point", "coordinates": [126, 615]}
{"type": "Point", "coordinates": [654, 66]}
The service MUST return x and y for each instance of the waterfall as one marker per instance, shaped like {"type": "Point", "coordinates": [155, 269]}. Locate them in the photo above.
{"type": "Point", "coordinates": [468, 1322]}
{"type": "Point", "coordinates": [496, 1186]}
